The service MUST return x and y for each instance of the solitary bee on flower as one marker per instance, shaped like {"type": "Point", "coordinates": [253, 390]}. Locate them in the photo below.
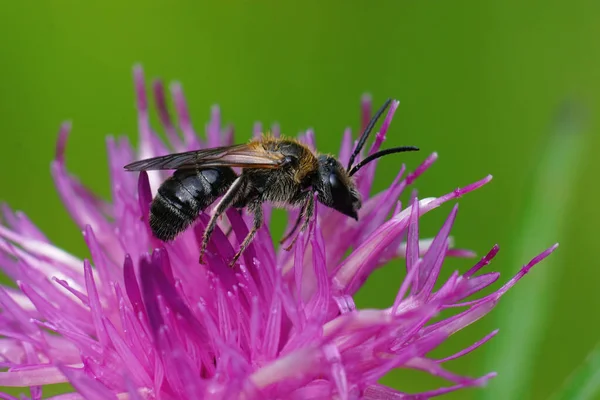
{"type": "Point", "coordinates": [139, 320]}
{"type": "Point", "coordinates": [281, 171]}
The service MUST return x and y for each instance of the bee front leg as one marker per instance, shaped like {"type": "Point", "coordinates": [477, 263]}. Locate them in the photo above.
{"type": "Point", "coordinates": [308, 209]}
{"type": "Point", "coordinates": [256, 210]}
{"type": "Point", "coordinates": [223, 205]}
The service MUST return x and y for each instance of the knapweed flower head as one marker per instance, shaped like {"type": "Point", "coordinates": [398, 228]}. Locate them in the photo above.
{"type": "Point", "coordinates": [142, 319]}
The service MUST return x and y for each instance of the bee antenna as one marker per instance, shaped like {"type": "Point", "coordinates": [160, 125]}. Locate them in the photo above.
{"type": "Point", "coordinates": [380, 154]}
{"type": "Point", "coordinates": [365, 135]}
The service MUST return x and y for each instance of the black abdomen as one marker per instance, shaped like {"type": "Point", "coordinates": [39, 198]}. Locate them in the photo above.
{"type": "Point", "coordinates": [182, 197]}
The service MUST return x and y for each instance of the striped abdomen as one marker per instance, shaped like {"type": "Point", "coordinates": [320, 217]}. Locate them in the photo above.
{"type": "Point", "coordinates": [182, 197]}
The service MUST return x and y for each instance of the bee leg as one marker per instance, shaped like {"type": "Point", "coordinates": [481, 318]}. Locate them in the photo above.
{"type": "Point", "coordinates": [225, 202]}
{"type": "Point", "coordinates": [256, 210]}
{"type": "Point", "coordinates": [308, 209]}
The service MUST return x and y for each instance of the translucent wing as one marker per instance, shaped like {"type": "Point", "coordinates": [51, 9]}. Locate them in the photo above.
{"type": "Point", "coordinates": [251, 155]}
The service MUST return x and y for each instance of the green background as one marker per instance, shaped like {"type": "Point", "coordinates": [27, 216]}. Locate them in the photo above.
{"type": "Point", "coordinates": [479, 82]}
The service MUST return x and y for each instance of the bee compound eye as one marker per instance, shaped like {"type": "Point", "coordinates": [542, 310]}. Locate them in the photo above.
{"type": "Point", "coordinates": [334, 181]}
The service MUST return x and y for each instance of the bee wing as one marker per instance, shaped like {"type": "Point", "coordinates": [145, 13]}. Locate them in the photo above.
{"type": "Point", "coordinates": [250, 155]}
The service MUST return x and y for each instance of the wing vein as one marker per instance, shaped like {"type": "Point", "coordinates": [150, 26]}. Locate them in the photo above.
{"type": "Point", "coordinates": [251, 155]}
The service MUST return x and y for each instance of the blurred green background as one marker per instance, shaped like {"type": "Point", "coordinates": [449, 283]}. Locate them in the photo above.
{"type": "Point", "coordinates": [481, 83]}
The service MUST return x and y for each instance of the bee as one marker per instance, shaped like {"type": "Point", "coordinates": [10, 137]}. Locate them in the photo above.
{"type": "Point", "coordinates": [284, 172]}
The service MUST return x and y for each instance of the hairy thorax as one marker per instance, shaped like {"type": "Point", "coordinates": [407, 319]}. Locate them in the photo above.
{"type": "Point", "coordinates": [282, 186]}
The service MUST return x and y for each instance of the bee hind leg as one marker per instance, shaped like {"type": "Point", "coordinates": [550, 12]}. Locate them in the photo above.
{"type": "Point", "coordinates": [256, 210]}
{"type": "Point", "coordinates": [223, 205]}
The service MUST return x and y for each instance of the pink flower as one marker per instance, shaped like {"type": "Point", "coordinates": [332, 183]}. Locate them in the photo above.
{"type": "Point", "coordinates": [141, 319]}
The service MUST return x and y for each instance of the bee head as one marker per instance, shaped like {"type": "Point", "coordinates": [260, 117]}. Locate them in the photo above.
{"type": "Point", "coordinates": [335, 188]}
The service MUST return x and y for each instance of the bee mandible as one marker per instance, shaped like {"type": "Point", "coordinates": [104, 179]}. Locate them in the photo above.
{"type": "Point", "coordinates": [284, 172]}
